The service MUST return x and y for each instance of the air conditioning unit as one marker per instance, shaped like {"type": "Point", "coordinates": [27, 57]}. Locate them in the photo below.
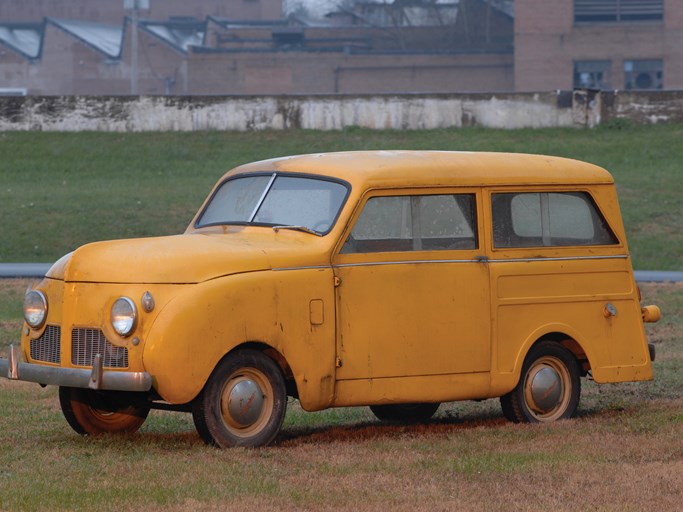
{"type": "Point", "coordinates": [645, 80]}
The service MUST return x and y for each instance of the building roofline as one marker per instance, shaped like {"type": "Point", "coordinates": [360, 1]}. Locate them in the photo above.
{"type": "Point", "coordinates": [229, 22]}
{"type": "Point", "coordinates": [349, 49]}
{"type": "Point", "coordinates": [59, 24]}
{"type": "Point", "coordinates": [39, 26]}
{"type": "Point", "coordinates": [145, 24]}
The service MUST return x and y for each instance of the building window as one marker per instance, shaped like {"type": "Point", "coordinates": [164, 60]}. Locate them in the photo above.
{"type": "Point", "coordinates": [592, 74]}
{"type": "Point", "coordinates": [643, 74]}
{"type": "Point", "coordinates": [610, 11]}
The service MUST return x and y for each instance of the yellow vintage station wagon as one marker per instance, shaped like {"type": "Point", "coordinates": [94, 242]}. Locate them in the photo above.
{"type": "Point", "coordinates": [393, 279]}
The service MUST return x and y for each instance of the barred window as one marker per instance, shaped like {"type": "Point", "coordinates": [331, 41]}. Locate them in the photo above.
{"type": "Point", "coordinates": [592, 74]}
{"type": "Point", "coordinates": [607, 11]}
{"type": "Point", "coordinates": [643, 74]}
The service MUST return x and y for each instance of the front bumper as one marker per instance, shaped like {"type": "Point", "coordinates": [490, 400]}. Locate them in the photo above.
{"type": "Point", "coordinates": [95, 378]}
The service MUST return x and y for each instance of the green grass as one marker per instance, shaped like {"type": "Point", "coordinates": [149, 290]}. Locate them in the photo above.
{"type": "Point", "coordinates": [61, 190]}
{"type": "Point", "coordinates": [624, 451]}
{"type": "Point", "coordinates": [11, 300]}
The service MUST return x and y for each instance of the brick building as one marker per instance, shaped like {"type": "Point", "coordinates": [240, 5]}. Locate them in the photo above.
{"type": "Point", "coordinates": [362, 56]}
{"type": "Point", "coordinates": [84, 47]}
{"type": "Point", "coordinates": [112, 11]}
{"type": "Point", "coordinates": [601, 44]}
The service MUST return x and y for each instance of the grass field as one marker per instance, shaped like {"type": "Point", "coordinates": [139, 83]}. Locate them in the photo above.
{"type": "Point", "coordinates": [624, 451]}
{"type": "Point", "coordinates": [61, 190]}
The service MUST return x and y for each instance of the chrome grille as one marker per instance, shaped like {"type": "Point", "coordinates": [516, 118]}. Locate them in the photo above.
{"type": "Point", "coordinates": [86, 343]}
{"type": "Point", "coordinates": [47, 347]}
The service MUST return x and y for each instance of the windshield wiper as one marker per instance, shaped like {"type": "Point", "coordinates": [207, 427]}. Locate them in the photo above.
{"type": "Point", "coordinates": [305, 229]}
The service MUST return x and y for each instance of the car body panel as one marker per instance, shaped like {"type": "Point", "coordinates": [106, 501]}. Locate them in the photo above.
{"type": "Point", "coordinates": [392, 326]}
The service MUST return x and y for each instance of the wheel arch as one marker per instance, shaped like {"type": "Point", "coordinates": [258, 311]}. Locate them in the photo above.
{"type": "Point", "coordinates": [573, 346]}
{"type": "Point", "coordinates": [549, 387]}
{"type": "Point", "coordinates": [564, 335]}
{"type": "Point", "coordinates": [271, 353]}
{"type": "Point", "coordinates": [244, 401]}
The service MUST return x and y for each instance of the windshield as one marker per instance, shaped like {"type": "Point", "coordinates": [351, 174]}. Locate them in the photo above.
{"type": "Point", "coordinates": [276, 200]}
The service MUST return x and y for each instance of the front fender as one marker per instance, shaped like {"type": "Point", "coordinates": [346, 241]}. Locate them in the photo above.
{"type": "Point", "coordinates": [208, 320]}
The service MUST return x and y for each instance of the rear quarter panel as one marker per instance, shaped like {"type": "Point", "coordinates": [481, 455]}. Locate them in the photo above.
{"type": "Point", "coordinates": [544, 290]}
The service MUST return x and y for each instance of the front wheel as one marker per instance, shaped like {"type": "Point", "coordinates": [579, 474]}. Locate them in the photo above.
{"type": "Point", "coordinates": [243, 403]}
{"type": "Point", "coordinates": [549, 386]}
{"type": "Point", "coordinates": [90, 413]}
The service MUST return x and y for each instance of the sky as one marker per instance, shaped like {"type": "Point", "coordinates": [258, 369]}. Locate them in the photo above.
{"type": "Point", "coordinates": [317, 8]}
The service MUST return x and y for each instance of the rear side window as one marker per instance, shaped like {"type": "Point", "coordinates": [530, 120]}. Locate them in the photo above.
{"type": "Point", "coordinates": [415, 223]}
{"type": "Point", "coordinates": [548, 219]}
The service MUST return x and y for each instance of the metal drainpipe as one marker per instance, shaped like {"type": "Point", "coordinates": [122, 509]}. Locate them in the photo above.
{"type": "Point", "coordinates": [134, 52]}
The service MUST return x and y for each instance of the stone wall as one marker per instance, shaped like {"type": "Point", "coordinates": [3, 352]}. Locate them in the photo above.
{"type": "Point", "coordinates": [335, 112]}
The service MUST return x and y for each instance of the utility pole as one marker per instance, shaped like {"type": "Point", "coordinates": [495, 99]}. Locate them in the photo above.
{"type": "Point", "coordinates": [134, 6]}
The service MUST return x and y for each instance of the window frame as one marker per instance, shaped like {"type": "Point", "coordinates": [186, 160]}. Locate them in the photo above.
{"type": "Point", "coordinates": [602, 66]}
{"type": "Point", "coordinates": [274, 175]}
{"type": "Point", "coordinates": [622, 12]}
{"type": "Point", "coordinates": [642, 66]}
{"type": "Point", "coordinates": [424, 254]}
{"type": "Point", "coordinates": [596, 215]}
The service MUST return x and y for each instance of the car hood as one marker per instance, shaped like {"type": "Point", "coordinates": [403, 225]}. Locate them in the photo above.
{"type": "Point", "coordinates": [180, 259]}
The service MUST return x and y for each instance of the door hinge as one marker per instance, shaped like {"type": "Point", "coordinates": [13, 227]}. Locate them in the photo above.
{"type": "Point", "coordinates": [338, 363]}
{"type": "Point", "coordinates": [337, 281]}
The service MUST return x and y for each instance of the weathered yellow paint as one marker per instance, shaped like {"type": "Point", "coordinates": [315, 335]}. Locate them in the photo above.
{"type": "Point", "coordinates": [651, 314]}
{"type": "Point", "coordinates": [392, 321]}
{"type": "Point", "coordinates": [317, 310]}
{"type": "Point", "coordinates": [208, 320]}
{"type": "Point", "coordinates": [354, 329]}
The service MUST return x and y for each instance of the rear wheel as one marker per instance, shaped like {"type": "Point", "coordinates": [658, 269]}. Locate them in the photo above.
{"type": "Point", "coordinates": [90, 413]}
{"type": "Point", "coordinates": [413, 413]}
{"type": "Point", "coordinates": [549, 386]}
{"type": "Point", "coordinates": [243, 403]}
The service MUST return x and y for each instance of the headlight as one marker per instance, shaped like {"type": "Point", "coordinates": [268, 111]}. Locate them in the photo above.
{"type": "Point", "coordinates": [123, 316]}
{"type": "Point", "coordinates": [35, 308]}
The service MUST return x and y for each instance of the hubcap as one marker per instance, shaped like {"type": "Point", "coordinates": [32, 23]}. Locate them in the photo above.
{"type": "Point", "coordinates": [244, 402]}
{"type": "Point", "coordinates": [546, 389]}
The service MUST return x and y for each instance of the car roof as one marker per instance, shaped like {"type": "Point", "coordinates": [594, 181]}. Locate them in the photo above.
{"type": "Point", "coordinates": [371, 169]}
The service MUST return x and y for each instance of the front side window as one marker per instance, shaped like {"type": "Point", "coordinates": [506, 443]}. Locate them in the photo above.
{"type": "Point", "coordinates": [548, 219]}
{"type": "Point", "coordinates": [415, 223]}
{"type": "Point", "coordinates": [276, 200]}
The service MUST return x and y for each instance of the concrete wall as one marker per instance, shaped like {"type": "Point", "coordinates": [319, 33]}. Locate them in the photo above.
{"type": "Point", "coordinates": [185, 113]}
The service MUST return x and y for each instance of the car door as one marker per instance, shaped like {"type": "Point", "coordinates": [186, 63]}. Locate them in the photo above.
{"type": "Point", "coordinates": [412, 294]}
